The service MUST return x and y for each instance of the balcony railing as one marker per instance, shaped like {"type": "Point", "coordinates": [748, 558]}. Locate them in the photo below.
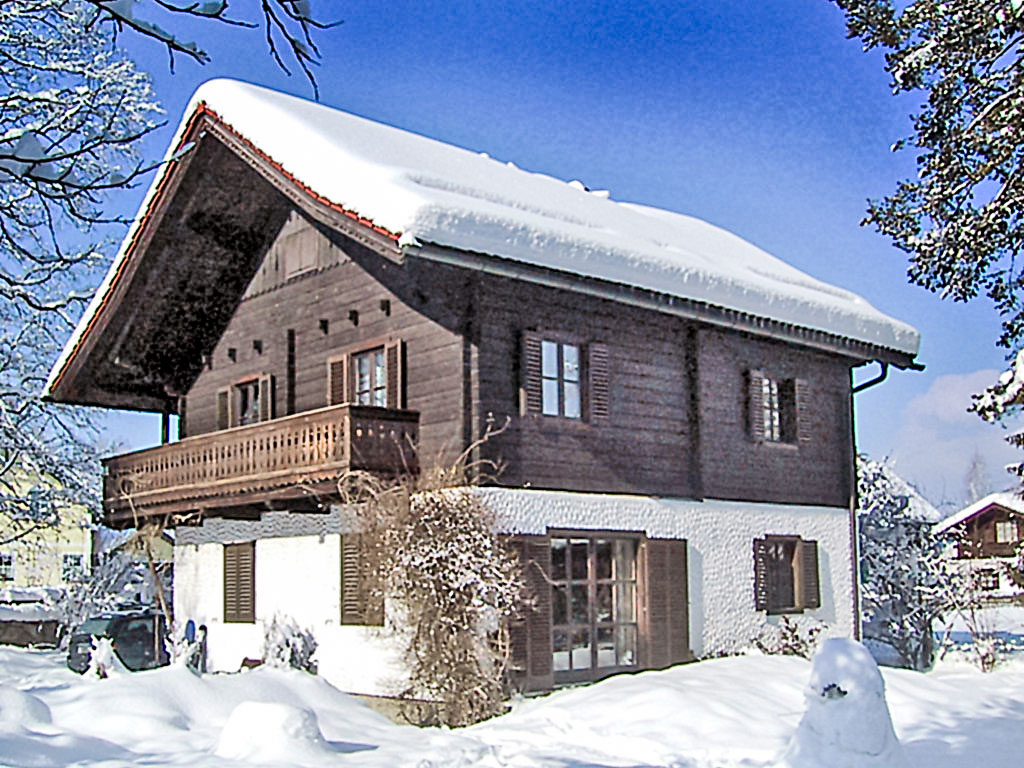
{"type": "Point", "coordinates": [279, 458]}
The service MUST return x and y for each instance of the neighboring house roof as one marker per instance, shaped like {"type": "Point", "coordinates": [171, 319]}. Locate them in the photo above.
{"type": "Point", "coordinates": [423, 194]}
{"type": "Point", "coordinates": [1010, 500]}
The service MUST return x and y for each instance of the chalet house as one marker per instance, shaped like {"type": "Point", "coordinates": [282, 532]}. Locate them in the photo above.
{"type": "Point", "coordinates": [309, 291]}
{"type": "Point", "coordinates": [987, 534]}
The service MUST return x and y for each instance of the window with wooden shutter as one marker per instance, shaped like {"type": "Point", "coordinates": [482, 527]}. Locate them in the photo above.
{"type": "Point", "coordinates": [395, 373]}
{"type": "Point", "coordinates": [777, 409]}
{"type": "Point", "coordinates": [357, 605]}
{"type": "Point", "coordinates": [240, 582]}
{"type": "Point", "coordinates": [786, 575]}
{"type": "Point", "coordinates": [563, 378]}
{"type": "Point", "coordinates": [802, 401]}
{"type": "Point", "coordinates": [338, 385]}
{"type": "Point", "coordinates": [755, 405]}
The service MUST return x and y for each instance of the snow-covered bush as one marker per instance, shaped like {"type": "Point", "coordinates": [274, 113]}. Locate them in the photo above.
{"type": "Point", "coordinates": [286, 644]}
{"type": "Point", "coordinates": [906, 582]}
{"type": "Point", "coordinates": [429, 548]}
{"type": "Point", "coordinates": [790, 637]}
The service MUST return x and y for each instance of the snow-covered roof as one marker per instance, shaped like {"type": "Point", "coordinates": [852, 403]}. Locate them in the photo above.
{"type": "Point", "coordinates": [425, 192]}
{"type": "Point", "coordinates": [1010, 500]}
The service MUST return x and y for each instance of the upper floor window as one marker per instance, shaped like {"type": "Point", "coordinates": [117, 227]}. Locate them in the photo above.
{"type": "Point", "coordinates": [6, 566]}
{"type": "Point", "coordinates": [1006, 532]}
{"type": "Point", "coordinates": [247, 402]}
{"type": "Point", "coordinates": [248, 395]}
{"type": "Point", "coordinates": [370, 377]}
{"type": "Point", "coordinates": [560, 379]}
{"type": "Point", "coordinates": [564, 378]}
{"type": "Point", "coordinates": [777, 409]}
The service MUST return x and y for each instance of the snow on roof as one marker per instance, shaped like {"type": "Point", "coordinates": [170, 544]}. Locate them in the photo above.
{"type": "Point", "coordinates": [428, 192]}
{"type": "Point", "coordinates": [1011, 500]}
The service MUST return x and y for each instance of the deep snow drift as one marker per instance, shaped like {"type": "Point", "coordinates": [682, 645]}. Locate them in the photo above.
{"type": "Point", "coordinates": [738, 711]}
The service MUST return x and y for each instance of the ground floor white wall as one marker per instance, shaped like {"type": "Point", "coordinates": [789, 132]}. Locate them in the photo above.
{"type": "Point", "coordinates": [298, 574]}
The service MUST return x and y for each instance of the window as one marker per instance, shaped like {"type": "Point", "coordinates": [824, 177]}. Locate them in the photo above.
{"type": "Point", "coordinates": [6, 566]}
{"type": "Point", "coordinates": [563, 378]}
{"type": "Point", "coordinates": [372, 376]}
{"type": "Point", "coordinates": [240, 582]}
{"type": "Point", "coordinates": [371, 383]}
{"type": "Point", "coordinates": [1006, 532]}
{"type": "Point", "coordinates": [987, 579]}
{"type": "Point", "coordinates": [247, 402]}
{"type": "Point", "coordinates": [777, 409]}
{"type": "Point", "coordinates": [594, 609]}
{"type": "Point", "coordinates": [786, 574]}
{"type": "Point", "coordinates": [72, 567]}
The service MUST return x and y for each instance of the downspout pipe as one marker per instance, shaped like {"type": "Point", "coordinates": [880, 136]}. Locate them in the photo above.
{"type": "Point", "coordinates": [871, 382]}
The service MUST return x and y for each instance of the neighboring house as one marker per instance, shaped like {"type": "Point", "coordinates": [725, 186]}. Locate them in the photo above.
{"type": "Point", "coordinates": [988, 533]}
{"type": "Point", "coordinates": [50, 556]}
{"type": "Point", "coordinates": [310, 292]}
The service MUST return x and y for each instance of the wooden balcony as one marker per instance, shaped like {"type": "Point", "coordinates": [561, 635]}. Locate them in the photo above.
{"type": "Point", "coordinates": [260, 465]}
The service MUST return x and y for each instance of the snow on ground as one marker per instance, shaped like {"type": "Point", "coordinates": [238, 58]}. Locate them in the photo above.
{"type": "Point", "coordinates": [725, 713]}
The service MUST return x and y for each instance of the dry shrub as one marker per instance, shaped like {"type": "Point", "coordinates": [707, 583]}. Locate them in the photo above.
{"type": "Point", "coordinates": [428, 545]}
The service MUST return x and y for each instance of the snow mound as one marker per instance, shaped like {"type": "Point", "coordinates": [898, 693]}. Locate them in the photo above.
{"type": "Point", "coordinates": [269, 732]}
{"type": "Point", "coordinates": [847, 722]}
{"type": "Point", "coordinates": [22, 709]}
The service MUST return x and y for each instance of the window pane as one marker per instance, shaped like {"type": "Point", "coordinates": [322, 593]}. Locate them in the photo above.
{"type": "Point", "coordinates": [558, 558]}
{"type": "Point", "coordinates": [626, 645]}
{"type": "Point", "coordinates": [570, 362]}
{"type": "Point", "coordinates": [572, 400]}
{"type": "Point", "coordinates": [579, 558]}
{"type": "Point", "coordinates": [581, 649]}
{"type": "Point", "coordinates": [580, 612]}
{"type": "Point", "coordinates": [603, 558]}
{"type": "Point", "coordinates": [380, 397]}
{"type": "Point", "coordinates": [559, 609]}
{"type": "Point", "coordinates": [606, 656]}
{"type": "Point", "coordinates": [363, 373]}
{"type": "Point", "coordinates": [560, 646]}
{"type": "Point", "coordinates": [378, 368]}
{"type": "Point", "coordinates": [603, 606]}
{"type": "Point", "coordinates": [549, 402]}
{"type": "Point", "coordinates": [549, 360]}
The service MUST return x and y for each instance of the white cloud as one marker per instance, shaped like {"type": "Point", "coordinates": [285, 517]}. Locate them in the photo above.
{"type": "Point", "coordinates": [938, 438]}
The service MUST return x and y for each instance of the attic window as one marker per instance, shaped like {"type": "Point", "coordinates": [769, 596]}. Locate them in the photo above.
{"type": "Point", "coordinates": [777, 409]}
{"type": "Point", "coordinates": [1006, 532]}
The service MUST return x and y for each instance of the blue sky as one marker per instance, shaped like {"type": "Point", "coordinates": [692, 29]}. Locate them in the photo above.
{"type": "Point", "coordinates": [761, 118]}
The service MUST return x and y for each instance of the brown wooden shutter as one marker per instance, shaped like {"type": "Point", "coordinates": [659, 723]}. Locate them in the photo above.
{"type": "Point", "coordinates": [760, 575]}
{"type": "Point", "coordinates": [224, 408]}
{"type": "Point", "coordinates": [240, 582]}
{"type": "Point", "coordinates": [531, 399]}
{"type": "Point", "coordinates": [810, 587]}
{"type": "Point", "coordinates": [394, 371]}
{"type": "Point", "coordinates": [801, 395]}
{"type": "Point", "coordinates": [666, 628]}
{"type": "Point", "coordinates": [267, 396]}
{"type": "Point", "coordinates": [182, 417]}
{"type": "Point", "coordinates": [352, 607]}
{"type": "Point", "coordinates": [755, 405]}
{"type": "Point", "coordinates": [338, 386]}
{"type": "Point", "coordinates": [597, 383]}
{"type": "Point", "coordinates": [530, 635]}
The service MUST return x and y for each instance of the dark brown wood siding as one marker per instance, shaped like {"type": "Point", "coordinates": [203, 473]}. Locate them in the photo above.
{"type": "Point", "coordinates": [418, 310]}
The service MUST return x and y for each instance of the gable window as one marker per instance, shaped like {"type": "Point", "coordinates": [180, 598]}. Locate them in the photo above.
{"type": "Point", "coordinates": [564, 378]}
{"type": "Point", "coordinates": [786, 574]}
{"type": "Point", "coordinates": [240, 583]}
{"type": "Point", "coordinates": [372, 376]}
{"type": "Point", "coordinates": [72, 567]}
{"type": "Point", "coordinates": [1006, 532]}
{"type": "Point", "coordinates": [777, 409]}
{"type": "Point", "coordinates": [246, 402]}
{"type": "Point", "coordinates": [6, 566]}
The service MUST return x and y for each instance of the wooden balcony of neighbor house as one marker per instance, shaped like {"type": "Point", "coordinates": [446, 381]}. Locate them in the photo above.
{"type": "Point", "coordinates": [260, 464]}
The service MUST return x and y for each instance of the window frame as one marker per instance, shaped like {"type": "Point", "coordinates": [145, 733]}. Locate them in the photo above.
{"type": "Point", "coordinates": [230, 401]}
{"type": "Point", "coordinates": [561, 380]}
{"type": "Point", "coordinates": [592, 379]}
{"type": "Point", "coordinates": [7, 572]}
{"type": "Point", "coordinates": [72, 573]}
{"type": "Point", "coordinates": [1003, 525]}
{"type": "Point", "coordinates": [378, 367]}
{"type": "Point", "coordinates": [777, 409]}
{"type": "Point", "coordinates": [343, 391]}
{"type": "Point", "coordinates": [769, 572]}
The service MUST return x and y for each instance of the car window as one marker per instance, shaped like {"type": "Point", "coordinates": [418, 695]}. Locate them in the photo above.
{"type": "Point", "coordinates": [94, 627]}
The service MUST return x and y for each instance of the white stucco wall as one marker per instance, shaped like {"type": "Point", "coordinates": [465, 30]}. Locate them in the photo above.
{"type": "Point", "coordinates": [720, 558]}
{"type": "Point", "coordinates": [297, 577]}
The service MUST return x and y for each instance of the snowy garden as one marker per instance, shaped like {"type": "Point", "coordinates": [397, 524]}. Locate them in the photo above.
{"type": "Point", "coordinates": [750, 710]}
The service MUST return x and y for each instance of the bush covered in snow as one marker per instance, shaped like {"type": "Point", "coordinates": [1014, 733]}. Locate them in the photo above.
{"type": "Point", "coordinates": [790, 637]}
{"type": "Point", "coordinates": [286, 644]}
{"type": "Point", "coordinates": [906, 582]}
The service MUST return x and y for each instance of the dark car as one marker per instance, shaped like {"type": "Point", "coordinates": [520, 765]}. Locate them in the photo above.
{"type": "Point", "coordinates": [137, 638]}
